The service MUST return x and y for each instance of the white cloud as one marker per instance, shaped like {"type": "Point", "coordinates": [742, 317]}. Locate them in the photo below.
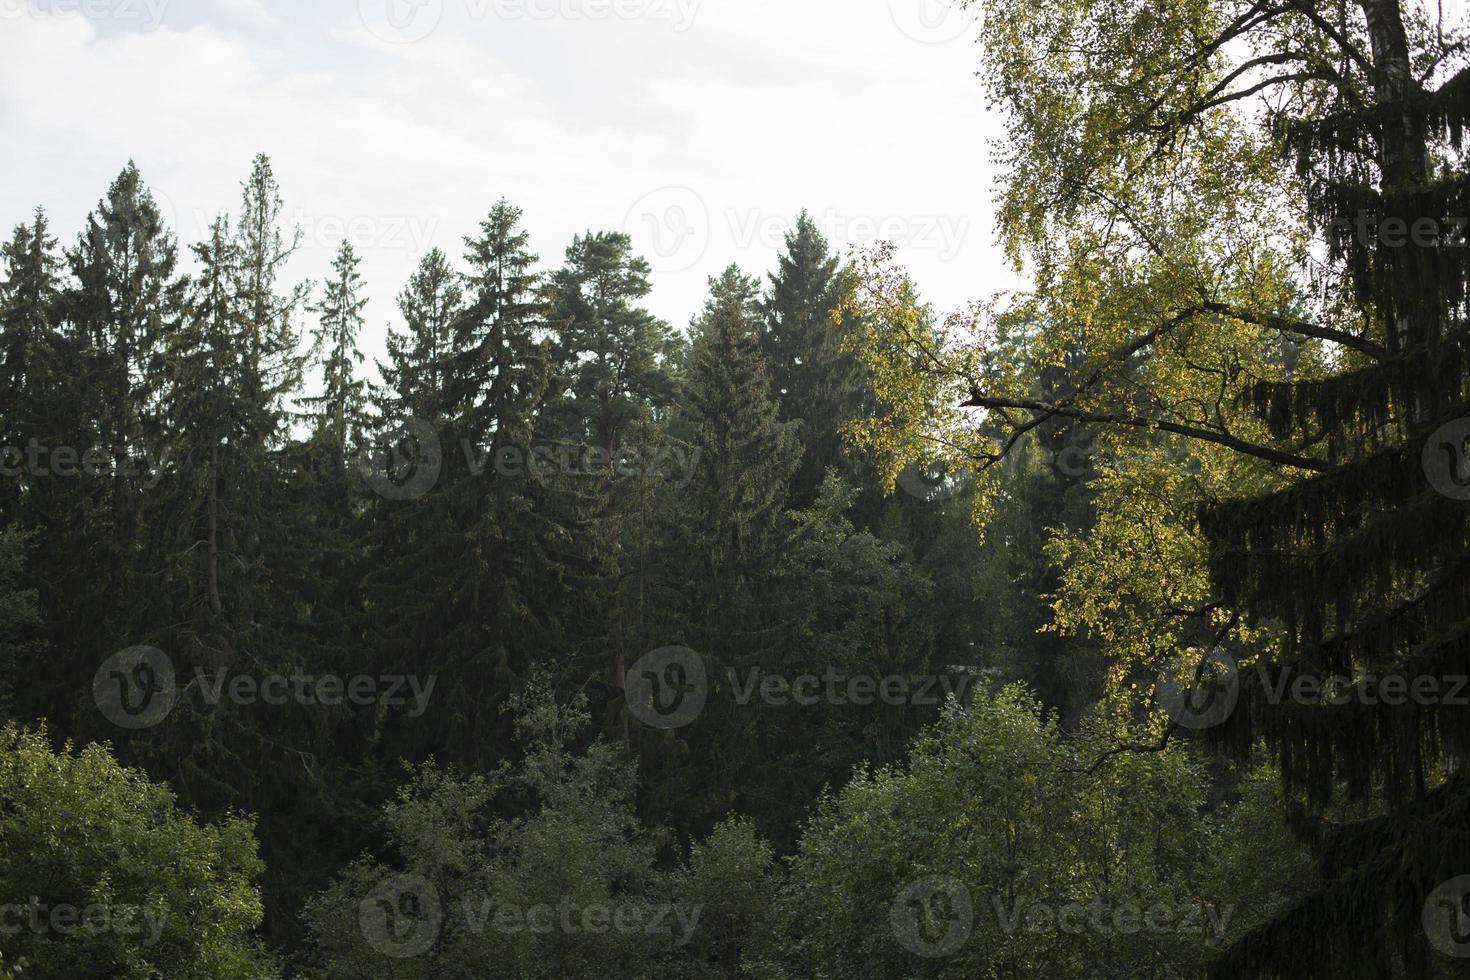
{"type": "Point", "coordinates": [757, 109]}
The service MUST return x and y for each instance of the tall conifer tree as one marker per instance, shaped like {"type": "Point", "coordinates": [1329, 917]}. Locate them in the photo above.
{"type": "Point", "coordinates": [817, 381]}
{"type": "Point", "coordinates": [339, 408]}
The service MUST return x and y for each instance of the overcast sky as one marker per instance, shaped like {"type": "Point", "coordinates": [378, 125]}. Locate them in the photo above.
{"type": "Point", "coordinates": [700, 127]}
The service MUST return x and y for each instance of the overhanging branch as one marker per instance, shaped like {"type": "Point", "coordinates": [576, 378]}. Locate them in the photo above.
{"type": "Point", "coordinates": [1235, 443]}
{"type": "Point", "coordinates": [1299, 327]}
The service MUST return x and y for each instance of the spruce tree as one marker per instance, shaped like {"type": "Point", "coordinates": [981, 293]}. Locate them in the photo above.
{"type": "Point", "coordinates": [30, 359]}
{"type": "Point", "coordinates": [339, 408]}
{"type": "Point", "coordinates": [232, 366]}
{"type": "Point", "coordinates": [270, 375]}
{"type": "Point", "coordinates": [728, 548]}
{"type": "Point", "coordinates": [414, 376]}
{"type": "Point", "coordinates": [30, 352]}
{"type": "Point", "coordinates": [237, 546]}
{"type": "Point", "coordinates": [1365, 561]}
{"type": "Point", "coordinates": [204, 369]}
{"type": "Point", "coordinates": [738, 499]}
{"type": "Point", "coordinates": [122, 298]}
{"type": "Point", "coordinates": [817, 381]}
{"type": "Point", "coordinates": [473, 574]}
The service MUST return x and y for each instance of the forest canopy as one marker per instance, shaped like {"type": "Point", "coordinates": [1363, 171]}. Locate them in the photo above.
{"type": "Point", "coordinates": [1115, 626]}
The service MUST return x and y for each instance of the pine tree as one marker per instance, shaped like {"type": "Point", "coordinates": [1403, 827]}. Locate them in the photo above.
{"type": "Point", "coordinates": [614, 383]}
{"type": "Point", "coordinates": [613, 354]}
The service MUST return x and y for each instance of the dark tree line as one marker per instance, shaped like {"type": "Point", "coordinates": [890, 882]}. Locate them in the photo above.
{"type": "Point", "coordinates": [236, 516]}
